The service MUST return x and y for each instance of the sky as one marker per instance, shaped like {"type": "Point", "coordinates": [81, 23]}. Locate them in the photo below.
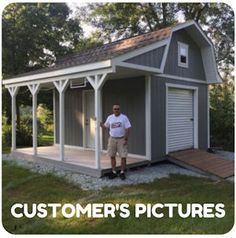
{"type": "Point", "coordinates": [88, 28]}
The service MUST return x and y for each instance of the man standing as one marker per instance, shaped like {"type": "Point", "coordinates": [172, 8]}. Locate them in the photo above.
{"type": "Point", "coordinates": [119, 126]}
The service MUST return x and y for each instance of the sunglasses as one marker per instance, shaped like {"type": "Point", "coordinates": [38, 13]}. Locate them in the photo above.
{"type": "Point", "coordinates": [116, 109]}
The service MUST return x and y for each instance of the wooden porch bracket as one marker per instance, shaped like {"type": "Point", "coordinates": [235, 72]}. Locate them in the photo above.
{"type": "Point", "coordinates": [61, 86]}
{"type": "Point", "coordinates": [34, 89]}
{"type": "Point", "coordinates": [97, 82]}
{"type": "Point", "coordinates": [13, 90]}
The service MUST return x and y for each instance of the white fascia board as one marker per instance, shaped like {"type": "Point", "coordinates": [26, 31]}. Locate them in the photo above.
{"type": "Point", "coordinates": [60, 72]}
{"type": "Point", "coordinates": [139, 51]}
{"type": "Point", "coordinates": [64, 77]}
{"type": "Point", "coordinates": [139, 67]}
{"type": "Point", "coordinates": [192, 80]}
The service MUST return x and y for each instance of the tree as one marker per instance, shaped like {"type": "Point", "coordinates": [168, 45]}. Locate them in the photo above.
{"type": "Point", "coordinates": [218, 18]}
{"type": "Point", "coordinates": [119, 20]}
{"type": "Point", "coordinates": [34, 35]}
{"type": "Point", "coordinates": [222, 113]}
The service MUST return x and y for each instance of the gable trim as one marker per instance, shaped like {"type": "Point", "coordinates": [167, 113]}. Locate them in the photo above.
{"type": "Point", "coordinates": [169, 76]}
{"type": "Point", "coordinates": [139, 67]}
{"type": "Point", "coordinates": [140, 51]}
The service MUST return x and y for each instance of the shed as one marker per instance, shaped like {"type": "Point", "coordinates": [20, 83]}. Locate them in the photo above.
{"type": "Point", "coordinates": [159, 78]}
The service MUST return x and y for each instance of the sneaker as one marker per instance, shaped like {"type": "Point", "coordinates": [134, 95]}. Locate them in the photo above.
{"type": "Point", "coordinates": [112, 175]}
{"type": "Point", "coordinates": [122, 176]}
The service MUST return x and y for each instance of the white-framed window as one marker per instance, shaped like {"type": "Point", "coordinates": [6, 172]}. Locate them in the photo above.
{"type": "Point", "coordinates": [182, 55]}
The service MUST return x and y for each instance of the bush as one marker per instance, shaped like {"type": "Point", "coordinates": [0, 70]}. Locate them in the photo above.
{"type": "Point", "coordinates": [6, 135]}
{"type": "Point", "coordinates": [24, 135]}
{"type": "Point", "coordinates": [24, 130]}
{"type": "Point", "coordinates": [222, 115]}
{"type": "Point", "coordinates": [45, 119]}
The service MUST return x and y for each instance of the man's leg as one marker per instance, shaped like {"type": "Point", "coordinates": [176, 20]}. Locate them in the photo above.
{"type": "Point", "coordinates": [112, 153]}
{"type": "Point", "coordinates": [113, 163]}
{"type": "Point", "coordinates": [123, 152]}
{"type": "Point", "coordinates": [123, 164]}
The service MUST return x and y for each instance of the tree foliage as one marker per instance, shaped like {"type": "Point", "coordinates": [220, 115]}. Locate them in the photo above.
{"type": "Point", "coordinates": [119, 20]}
{"type": "Point", "coordinates": [222, 113]}
{"type": "Point", "coordinates": [34, 34]}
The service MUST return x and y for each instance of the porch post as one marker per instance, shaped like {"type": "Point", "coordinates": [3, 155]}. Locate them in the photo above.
{"type": "Point", "coordinates": [97, 82]}
{"type": "Point", "coordinates": [61, 86]}
{"type": "Point", "coordinates": [34, 88]}
{"type": "Point", "coordinates": [13, 92]}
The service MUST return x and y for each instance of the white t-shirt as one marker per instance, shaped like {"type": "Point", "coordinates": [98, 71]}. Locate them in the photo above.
{"type": "Point", "coordinates": [117, 125]}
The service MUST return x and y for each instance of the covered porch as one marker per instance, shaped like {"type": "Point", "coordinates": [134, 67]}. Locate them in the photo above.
{"type": "Point", "coordinates": [92, 161]}
{"type": "Point", "coordinates": [76, 159]}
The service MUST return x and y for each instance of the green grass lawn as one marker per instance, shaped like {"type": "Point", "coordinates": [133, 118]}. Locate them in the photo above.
{"type": "Point", "coordinates": [43, 140]}
{"type": "Point", "coordinates": [21, 185]}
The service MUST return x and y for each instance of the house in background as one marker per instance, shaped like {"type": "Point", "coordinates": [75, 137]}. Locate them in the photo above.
{"type": "Point", "coordinates": [159, 78]}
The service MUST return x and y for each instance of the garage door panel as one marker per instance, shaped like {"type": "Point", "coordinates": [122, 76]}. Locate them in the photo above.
{"type": "Point", "coordinates": [180, 119]}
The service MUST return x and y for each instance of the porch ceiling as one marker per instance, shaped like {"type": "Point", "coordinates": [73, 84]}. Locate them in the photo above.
{"type": "Point", "coordinates": [122, 72]}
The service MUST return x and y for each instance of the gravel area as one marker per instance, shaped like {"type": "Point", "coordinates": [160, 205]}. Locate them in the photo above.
{"type": "Point", "coordinates": [226, 154]}
{"type": "Point", "coordinates": [139, 175]}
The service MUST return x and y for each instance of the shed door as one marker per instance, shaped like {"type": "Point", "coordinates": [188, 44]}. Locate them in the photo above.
{"type": "Point", "coordinates": [89, 119]}
{"type": "Point", "coordinates": [180, 119]}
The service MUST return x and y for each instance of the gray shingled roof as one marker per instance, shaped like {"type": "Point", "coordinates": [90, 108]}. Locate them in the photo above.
{"type": "Point", "coordinates": [106, 51]}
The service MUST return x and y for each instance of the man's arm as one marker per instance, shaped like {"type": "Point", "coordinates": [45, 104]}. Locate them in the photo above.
{"type": "Point", "coordinates": [126, 135]}
{"type": "Point", "coordinates": [103, 125]}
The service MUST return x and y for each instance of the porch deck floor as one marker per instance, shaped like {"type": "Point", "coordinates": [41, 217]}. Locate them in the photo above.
{"type": "Point", "coordinates": [82, 159]}
{"type": "Point", "coordinates": [213, 164]}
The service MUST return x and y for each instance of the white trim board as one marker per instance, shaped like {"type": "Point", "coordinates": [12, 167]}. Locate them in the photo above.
{"type": "Point", "coordinates": [195, 112]}
{"type": "Point", "coordinates": [186, 47]}
{"type": "Point", "coordinates": [57, 78]}
{"type": "Point", "coordinates": [208, 119]}
{"type": "Point", "coordinates": [60, 72]}
{"type": "Point", "coordinates": [140, 51]}
{"type": "Point", "coordinates": [192, 80]}
{"type": "Point", "coordinates": [139, 67]}
{"type": "Point", "coordinates": [148, 129]}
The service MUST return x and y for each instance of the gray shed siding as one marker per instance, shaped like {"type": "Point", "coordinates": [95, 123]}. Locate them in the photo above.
{"type": "Point", "coordinates": [73, 117]}
{"type": "Point", "coordinates": [151, 58]}
{"type": "Point", "coordinates": [195, 65]}
{"type": "Point", "coordinates": [129, 92]}
{"type": "Point", "coordinates": [158, 115]}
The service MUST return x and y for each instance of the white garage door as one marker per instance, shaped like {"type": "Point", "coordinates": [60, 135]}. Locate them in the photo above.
{"type": "Point", "coordinates": [180, 123]}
